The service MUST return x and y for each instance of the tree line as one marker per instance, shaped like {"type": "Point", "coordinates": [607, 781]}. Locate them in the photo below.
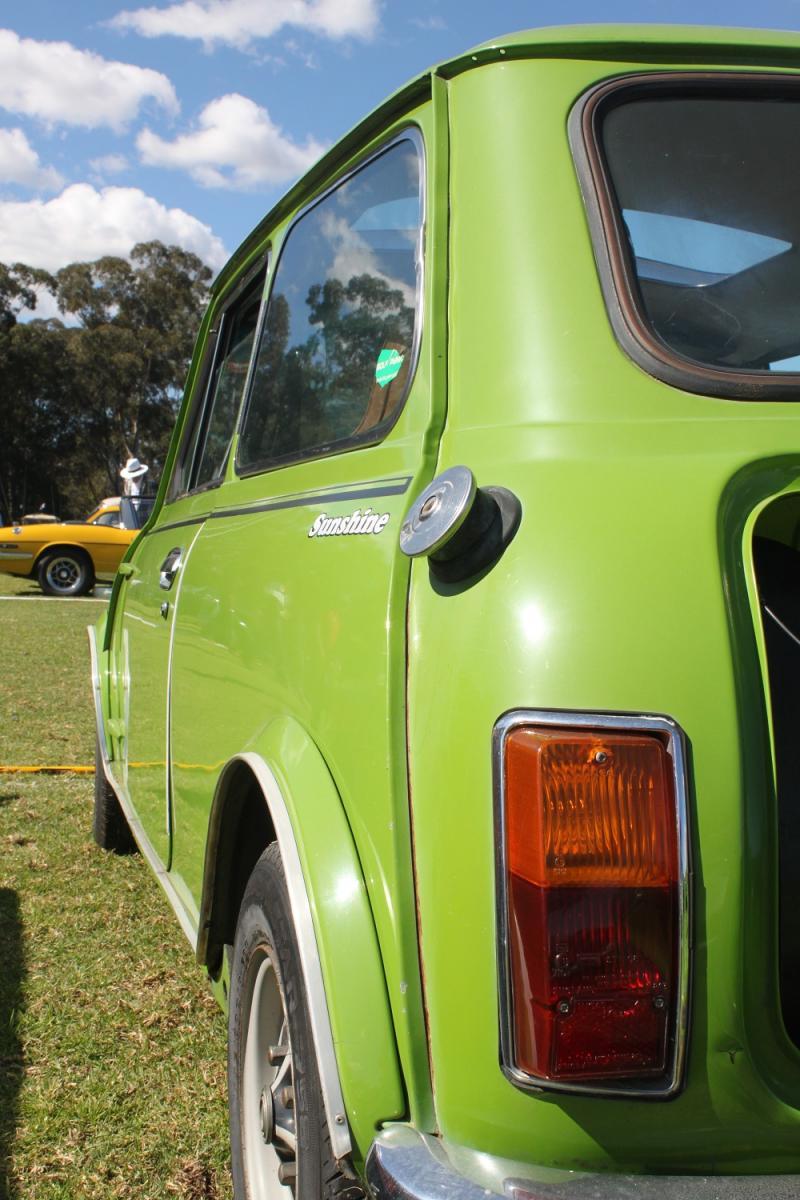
{"type": "Point", "coordinates": [83, 392]}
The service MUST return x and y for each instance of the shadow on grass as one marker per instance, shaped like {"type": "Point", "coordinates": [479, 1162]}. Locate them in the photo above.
{"type": "Point", "coordinates": [12, 975]}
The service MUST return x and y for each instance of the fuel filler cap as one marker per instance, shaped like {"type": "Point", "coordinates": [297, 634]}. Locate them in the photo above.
{"type": "Point", "coordinates": [438, 512]}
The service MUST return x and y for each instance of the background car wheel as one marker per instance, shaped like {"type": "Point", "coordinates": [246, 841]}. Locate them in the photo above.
{"type": "Point", "coordinates": [66, 573]}
{"type": "Point", "coordinates": [280, 1146]}
{"type": "Point", "coordinates": [109, 827]}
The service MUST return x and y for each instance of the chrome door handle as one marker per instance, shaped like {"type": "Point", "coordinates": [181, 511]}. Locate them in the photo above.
{"type": "Point", "coordinates": [169, 568]}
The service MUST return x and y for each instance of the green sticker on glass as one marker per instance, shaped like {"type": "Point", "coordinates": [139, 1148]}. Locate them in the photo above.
{"type": "Point", "coordinates": [388, 366]}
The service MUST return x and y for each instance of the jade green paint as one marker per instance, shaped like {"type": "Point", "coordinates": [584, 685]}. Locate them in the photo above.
{"type": "Point", "coordinates": [233, 654]}
{"type": "Point", "coordinates": [362, 1027]}
{"type": "Point", "coordinates": [371, 694]}
{"type": "Point", "coordinates": [612, 597]}
{"type": "Point", "coordinates": [388, 366]}
{"type": "Point", "coordinates": [143, 646]}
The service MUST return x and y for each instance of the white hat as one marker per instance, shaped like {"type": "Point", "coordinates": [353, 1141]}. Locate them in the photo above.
{"type": "Point", "coordinates": [133, 469]}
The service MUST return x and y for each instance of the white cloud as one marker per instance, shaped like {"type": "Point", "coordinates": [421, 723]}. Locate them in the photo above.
{"type": "Point", "coordinates": [19, 163]}
{"type": "Point", "coordinates": [241, 22]}
{"type": "Point", "coordinates": [83, 224]}
{"type": "Point", "coordinates": [58, 83]}
{"type": "Point", "coordinates": [354, 256]}
{"type": "Point", "coordinates": [236, 145]}
{"type": "Point", "coordinates": [109, 164]}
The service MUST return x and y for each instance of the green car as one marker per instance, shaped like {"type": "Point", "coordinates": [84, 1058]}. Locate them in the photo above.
{"type": "Point", "coordinates": [451, 690]}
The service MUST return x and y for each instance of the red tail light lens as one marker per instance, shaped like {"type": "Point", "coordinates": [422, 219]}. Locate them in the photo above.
{"type": "Point", "coordinates": [593, 877]}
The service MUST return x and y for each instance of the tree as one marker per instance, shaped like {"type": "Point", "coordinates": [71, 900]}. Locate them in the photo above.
{"type": "Point", "coordinates": [79, 398]}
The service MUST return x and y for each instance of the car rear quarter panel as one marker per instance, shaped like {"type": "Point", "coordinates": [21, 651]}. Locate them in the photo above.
{"type": "Point", "coordinates": [616, 595]}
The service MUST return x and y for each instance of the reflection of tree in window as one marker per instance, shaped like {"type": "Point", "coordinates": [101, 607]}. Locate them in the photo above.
{"type": "Point", "coordinates": [345, 291]}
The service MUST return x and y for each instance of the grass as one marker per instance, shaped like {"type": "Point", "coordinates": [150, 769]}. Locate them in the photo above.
{"type": "Point", "coordinates": [112, 1051]}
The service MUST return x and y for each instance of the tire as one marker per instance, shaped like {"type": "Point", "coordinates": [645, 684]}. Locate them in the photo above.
{"type": "Point", "coordinates": [280, 1146]}
{"type": "Point", "coordinates": [109, 827]}
{"type": "Point", "coordinates": [66, 573]}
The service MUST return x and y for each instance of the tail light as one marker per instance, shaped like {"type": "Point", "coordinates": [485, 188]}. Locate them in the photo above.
{"type": "Point", "coordinates": [594, 902]}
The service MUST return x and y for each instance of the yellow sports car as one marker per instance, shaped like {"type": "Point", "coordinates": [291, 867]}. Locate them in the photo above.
{"type": "Point", "coordinates": [68, 556]}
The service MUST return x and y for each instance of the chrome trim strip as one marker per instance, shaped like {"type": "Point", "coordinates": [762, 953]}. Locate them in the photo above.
{"type": "Point", "coordinates": [135, 825]}
{"type": "Point", "coordinates": [15, 554]}
{"type": "Point", "coordinates": [321, 1031]}
{"type": "Point", "coordinates": [403, 1164]}
{"type": "Point", "coordinates": [631, 723]}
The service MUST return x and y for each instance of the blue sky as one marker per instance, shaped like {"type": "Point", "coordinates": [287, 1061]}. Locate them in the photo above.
{"type": "Point", "coordinates": [186, 120]}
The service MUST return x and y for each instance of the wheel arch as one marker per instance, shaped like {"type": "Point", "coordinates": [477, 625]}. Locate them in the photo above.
{"type": "Point", "coordinates": [282, 790]}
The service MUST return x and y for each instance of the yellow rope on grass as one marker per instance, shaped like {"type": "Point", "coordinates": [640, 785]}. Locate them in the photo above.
{"type": "Point", "coordinates": [49, 770]}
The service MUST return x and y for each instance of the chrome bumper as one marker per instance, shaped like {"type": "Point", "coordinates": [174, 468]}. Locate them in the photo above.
{"type": "Point", "coordinates": [405, 1165]}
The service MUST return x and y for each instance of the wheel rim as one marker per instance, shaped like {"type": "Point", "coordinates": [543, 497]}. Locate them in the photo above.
{"type": "Point", "coordinates": [64, 574]}
{"type": "Point", "coordinates": [267, 1115]}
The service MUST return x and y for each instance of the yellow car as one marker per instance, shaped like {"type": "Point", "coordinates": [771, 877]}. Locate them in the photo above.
{"type": "Point", "coordinates": [68, 556]}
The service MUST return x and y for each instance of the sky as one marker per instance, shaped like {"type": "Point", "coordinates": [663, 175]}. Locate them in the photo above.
{"type": "Point", "coordinates": [186, 120]}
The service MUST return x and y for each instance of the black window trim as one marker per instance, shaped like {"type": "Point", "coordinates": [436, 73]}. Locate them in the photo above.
{"type": "Point", "coordinates": [614, 262]}
{"type": "Point", "coordinates": [211, 349]}
{"type": "Point", "coordinates": [377, 433]}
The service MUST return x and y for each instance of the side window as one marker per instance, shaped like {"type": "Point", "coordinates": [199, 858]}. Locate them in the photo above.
{"type": "Point", "coordinates": [108, 518]}
{"type": "Point", "coordinates": [336, 345]}
{"type": "Point", "coordinates": [226, 387]}
{"type": "Point", "coordinates": [203, 453]}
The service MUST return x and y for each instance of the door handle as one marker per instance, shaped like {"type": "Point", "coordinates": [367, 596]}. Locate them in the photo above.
{"type": "Point", "coordinates": [169, 568]}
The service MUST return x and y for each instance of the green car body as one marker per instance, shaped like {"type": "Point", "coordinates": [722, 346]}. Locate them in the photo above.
{"type": "Point", "coordinates": [328, 693]}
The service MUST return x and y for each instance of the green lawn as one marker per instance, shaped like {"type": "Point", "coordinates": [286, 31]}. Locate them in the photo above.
{"type": "Point", "coordinates": [112, 1052]}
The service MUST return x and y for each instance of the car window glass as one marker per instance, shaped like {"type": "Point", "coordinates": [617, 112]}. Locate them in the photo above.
{"type": "Point", "coordinates": [181, 475]}
{"type": "Point", "coordinates": [227, 386]}
{"type": "Point", "coordinates": [107, 518]}
{"type": "Point", "coordinates": [709, 203]}
{"type": "Point", "coordinates": [336, 346]}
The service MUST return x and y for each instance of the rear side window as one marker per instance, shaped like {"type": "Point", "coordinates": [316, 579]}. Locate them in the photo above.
{"type": "Point", "coordinates": [336, 348]}
{"type": "Point", "coordinates": [700, 201]}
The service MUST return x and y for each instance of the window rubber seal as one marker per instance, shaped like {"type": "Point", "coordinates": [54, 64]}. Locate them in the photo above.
{"type": "Point", "coordinates": [610, 243]}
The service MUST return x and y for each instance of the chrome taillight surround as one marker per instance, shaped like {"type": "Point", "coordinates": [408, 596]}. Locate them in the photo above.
{"type": "Point", "coordinates": [671, 1083]}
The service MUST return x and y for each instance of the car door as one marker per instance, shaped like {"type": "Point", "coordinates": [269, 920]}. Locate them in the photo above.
{"type": "Point", "coordinates": [293, 603]}
{"type": "Point", "coordinates": [153, 576]}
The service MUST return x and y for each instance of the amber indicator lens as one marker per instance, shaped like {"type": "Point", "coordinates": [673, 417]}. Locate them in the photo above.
{"type": "Point", "coordinates": [592, 862]}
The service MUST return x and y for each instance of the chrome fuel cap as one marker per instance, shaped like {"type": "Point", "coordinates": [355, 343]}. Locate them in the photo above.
{"type": "Point", "coordinates": [438, 512]}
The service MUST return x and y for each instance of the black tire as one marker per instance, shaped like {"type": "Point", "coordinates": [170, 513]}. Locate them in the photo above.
{"type": "Point", "coordinates": [66, 572]}
{"type": "Point", "coordinates": [266, 970]}
{"type": "Point", "coordinates": [109, 827]}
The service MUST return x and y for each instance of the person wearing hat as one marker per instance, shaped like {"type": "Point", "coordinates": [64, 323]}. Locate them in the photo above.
{"type": "Point", "coordinates": [133, 473]}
